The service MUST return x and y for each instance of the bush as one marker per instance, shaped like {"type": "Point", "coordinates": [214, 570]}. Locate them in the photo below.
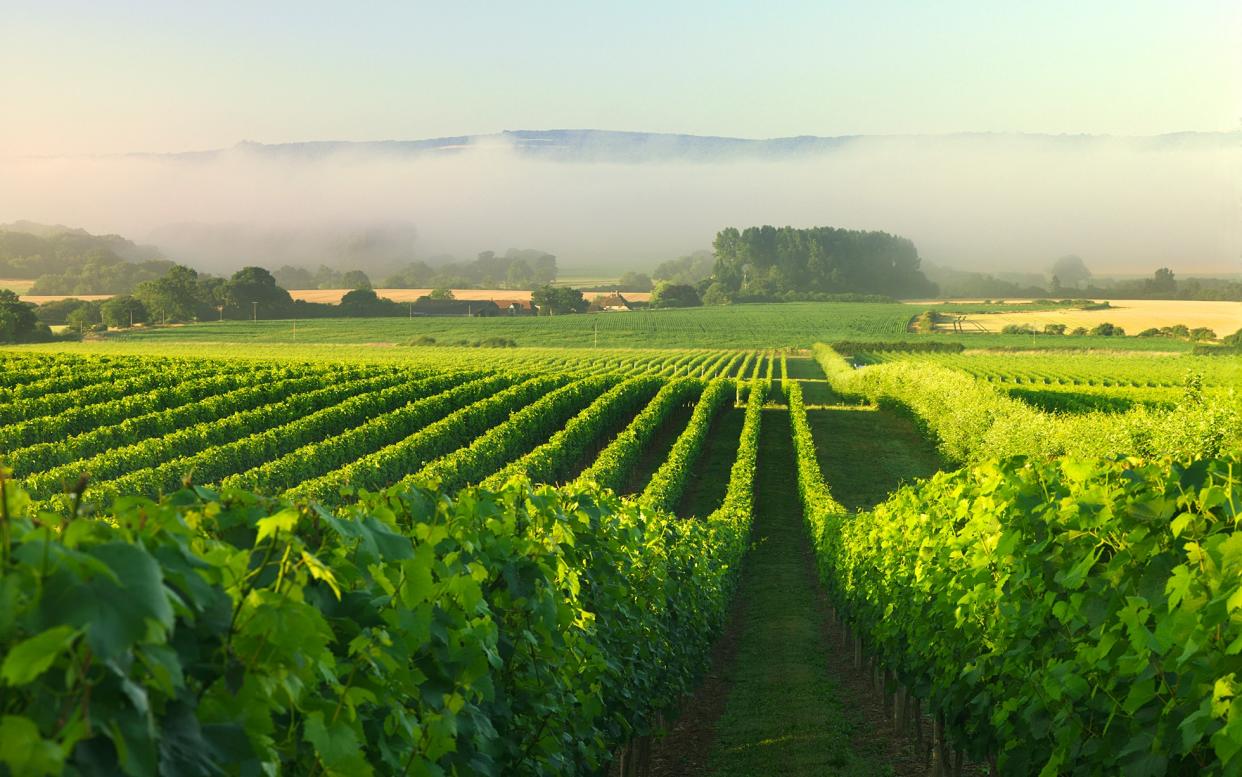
{"type": "Point", "coordinates": [1107, 330]}
{"type": "Point", "coordinates": [1018, 329]}
{"type": "Point", "coordinates": [496, 342]}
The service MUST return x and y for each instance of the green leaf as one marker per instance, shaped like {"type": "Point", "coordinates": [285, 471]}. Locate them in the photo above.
{"type": "Point", "coordinates": [32, 657]}
{"type": "Point", "coordinates": [115, 609]}
{"type": "Point", "coordinates": [1180, 523]}
{"type": "Point", "coordinates": [337, 746]}
{"type": "Point", "coordinates": [25, 752]}
{"type": "Point", "coordinates": [1140, 693]}
{"type": "Point", "coordinates": [418, 586]}
{"type": "Point", "coordinates": [284, 520]}
{"type": "Point", "coordinates": [321, 571]}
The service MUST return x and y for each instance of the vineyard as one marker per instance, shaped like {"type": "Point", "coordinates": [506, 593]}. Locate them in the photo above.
{"type": "Point", "coordinates": [519, 561]}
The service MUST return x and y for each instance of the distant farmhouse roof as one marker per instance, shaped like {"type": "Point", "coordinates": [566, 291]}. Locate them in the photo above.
{"type": "Point", "coordinates": [609, 303]}
{"type": "Point", "coordinates": [514, 305]}
{"type": "Point", "coordinates": [425, 306]}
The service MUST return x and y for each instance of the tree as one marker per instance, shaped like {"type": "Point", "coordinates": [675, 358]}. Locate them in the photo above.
{"type": "Point", "coordinates": [356, 279]}
{"type": "Point", "coordinates": [441, 294]}
{"type": "Point", "coordinates": [290, 277]}
{"type": "Point", "coordinates": [365, 302]}
{"type": "Point", "coordinates": [716, 294]}
{"type": "Point", "coordinates": [173, 297]}
{"type": "Point", "coordinates": [634, 281]}
{"type": "Point", "coordinates": [1163, 282]}
{"type": "Point", "coordinates": [18, 323]}
{"type": "Point", "coordinates": [1108, 330]}
{"type": "Point", "coordinates": [57, 311]}
{"type": "Point", "coordinates": [675, 295]}
{"type": "Point", "coordinates": [123, 311]}
{"type": "Point", "coordinates": [84, 318]}
{"type": "Point", "coordinates": [686, 269]}
{"type": "Point", "coordinates": [553, 300]}
{"type": "Point", "coordinates": [1070, 271]}
{"type": "Point", "coordinates": [520, 275]}
{"type": "Point", "coordinates": [252, 291]}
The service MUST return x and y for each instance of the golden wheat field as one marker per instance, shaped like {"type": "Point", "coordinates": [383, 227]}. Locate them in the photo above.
{"type": "Point", "coordinates": [333, 296]}
{"type": "Point", "coordinates": [1132, 315]}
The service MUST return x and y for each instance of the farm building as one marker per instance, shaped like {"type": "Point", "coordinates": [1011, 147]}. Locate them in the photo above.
{"type": "Point", "coordinates": [425, 306]}
{"type": "Point", "coordinates": [609, 303]}
{"type": "Point", "coordinates": [515, 307]}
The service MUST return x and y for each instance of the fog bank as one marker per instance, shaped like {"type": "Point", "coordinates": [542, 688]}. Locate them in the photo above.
{"type": "Point", "coordinates": [987, 202]}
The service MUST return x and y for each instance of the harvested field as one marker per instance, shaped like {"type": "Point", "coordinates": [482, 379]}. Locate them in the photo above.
{"type": "Point", "coordinates": [1133, 315]}
{"type": "Point", "coordinates": [333, 296]}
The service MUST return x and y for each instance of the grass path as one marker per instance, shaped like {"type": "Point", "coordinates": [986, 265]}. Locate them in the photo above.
{"type": "Point", "coordinates": [780, 696]}
{"type": "Point", "coordinates": [784, 714]}
{"type": "Point", "coordinates": [709, 478]}
{"type": "Point", "coordinates": [770, 704]}
{"type": "Point", "coordinates": [866, 452]}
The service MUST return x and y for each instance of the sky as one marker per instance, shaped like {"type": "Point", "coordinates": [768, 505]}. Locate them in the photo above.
{"type": "Point", "coordinates": [95, 77]}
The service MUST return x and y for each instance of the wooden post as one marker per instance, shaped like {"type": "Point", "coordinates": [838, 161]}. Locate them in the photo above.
{"type": "Point", "coordinates": [917, 709]}
{"type": "Point", "coordinates": [939, 751]}
{"type": "Point", "coordinates": [899, 711]}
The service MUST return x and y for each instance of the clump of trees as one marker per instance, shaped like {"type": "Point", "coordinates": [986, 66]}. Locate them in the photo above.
{"type": "Point", "coordinates": [18, 322]}
{"type": "Point", "coordinates": [1071, 274]}
{"type": "Point", "coordinates": [675, 295]}
{"type": "Point", "coordinates": [290, 277]}
{"type": "Point", "coordinates": [690, 269]}
{"type": "Point", "coordinates": [1180, 331]}
{"type": "Point", "coordinates": [769, 262]}
{"type": "Point", "coordinates": [558, 300]}
{"type": "Point", "coordinates": [1107, 330]}
{"type": "Point", "coordinates": [516, 269]}
{"type": "Point", "coordinates": [1102, 330]}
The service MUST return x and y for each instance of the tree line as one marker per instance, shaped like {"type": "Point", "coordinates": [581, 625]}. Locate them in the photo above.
{"type": "Point", "coordinates": [1070, 275]}
{"type": "Point", "coordinates": [72, 261]}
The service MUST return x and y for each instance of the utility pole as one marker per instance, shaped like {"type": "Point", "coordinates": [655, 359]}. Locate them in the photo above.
{"type": "Point", "coordinates": [595, 329]}
{"type": "Point", "coordinates": [254, 311]}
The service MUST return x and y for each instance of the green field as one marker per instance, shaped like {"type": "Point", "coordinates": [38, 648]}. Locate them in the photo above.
{"type": "Point", "coordinates": [788, 325]}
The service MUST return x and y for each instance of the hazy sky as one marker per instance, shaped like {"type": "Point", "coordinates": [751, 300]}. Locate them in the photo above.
{"type": "Point", "coordinates": [122, 75]}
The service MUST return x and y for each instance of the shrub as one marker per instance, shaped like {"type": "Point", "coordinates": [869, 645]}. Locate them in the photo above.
{"type": "Point", "coordinates": [1107, 330]}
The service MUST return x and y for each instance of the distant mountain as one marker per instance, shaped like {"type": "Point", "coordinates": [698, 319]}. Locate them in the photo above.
{"type": "Point", "coordinates": [586, 145]}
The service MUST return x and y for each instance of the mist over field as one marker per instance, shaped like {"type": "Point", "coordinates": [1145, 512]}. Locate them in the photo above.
{"type": "Point", "coordinates": [617, 201]}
